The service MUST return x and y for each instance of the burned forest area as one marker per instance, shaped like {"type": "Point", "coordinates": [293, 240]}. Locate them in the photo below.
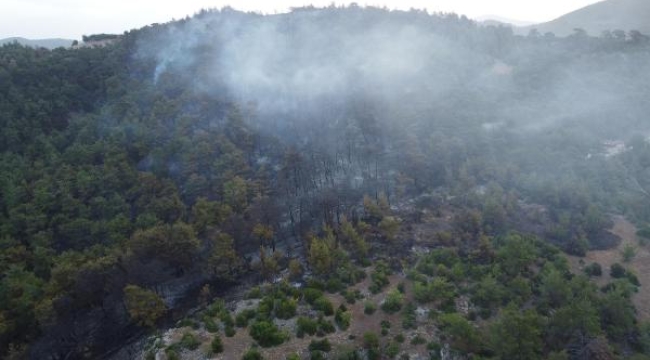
{"type": "Point", "coordinates": [329, 183]}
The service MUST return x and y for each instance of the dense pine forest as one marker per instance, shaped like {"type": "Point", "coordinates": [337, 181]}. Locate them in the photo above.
{"type": "Point", "coordinates": [151, 174]}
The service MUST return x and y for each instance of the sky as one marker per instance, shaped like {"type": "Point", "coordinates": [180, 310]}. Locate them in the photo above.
{"type": "Point", "coordinates": [71, 19]}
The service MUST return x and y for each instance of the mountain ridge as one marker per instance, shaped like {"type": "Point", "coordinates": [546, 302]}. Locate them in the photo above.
{"type": "Point", "coordinates": [52, 43]}
{"type": "Point", "coordinates": [602, 16]}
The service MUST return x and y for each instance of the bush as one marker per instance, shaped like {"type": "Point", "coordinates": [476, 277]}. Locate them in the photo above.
{"type": "Point", "coordinates": [252, 354]}
{"type": "Point", "coordinates": [229, 331]}
{"type": "Point", "coordinates": [393, 302]}
{"type": "Point", "coordinates": [216, 345]}
{"type": "Point", "coordinates": [409, 321]}
{"type": "Point", "coordinates": [285, 309]}
{"type": "Point", "coordinates": [399, 338]}
{"type": "Point", "coordinates": [226, 318]}
{"type": "Point", "coordinates": [379, 277]}
{"type": "Point", "coordinates": [628, 253]}
{"type": "Point", "coordinates": [189, 341]}
{"type": "Point", "coordinates": [305, 325]}
{"type": "Point", "coordinates": [392, 350]}
{"type": "Point", "coordinates": [343, 318]}
{"type": "Point", "coordinates": [242, 319]}
{"type": "Point", "coordinates": [369, 308]}
{"type": "Point", "coordinates": [317, 355]}
{"type": "Point", "coordinates": [371, 343]}
{"type": "Point", "coordinates": [617, 271]}
{"type": "Point", "coordinates": [210, 325]}
{"type": "Point", "coordinates": [172, 354]}
{"type": "Point", "coordinates": [267, 334]}
{"type": "Point", "coordinates": [324, 327]}
{"type": "Point", "coordinates": [323, 305]}
{"type": "Point", "coordinates": [293, 356]}
{"type": "Point", "coordinates": [254, 293]}
{"type": "Point", "coordinates": [311, 295]}
{"type": "Point", "coordinates": [418, 340]}
{"type": "Point", "coordinates": [594, 269]}
{"type": "Point", "coordinates": [320, 345]}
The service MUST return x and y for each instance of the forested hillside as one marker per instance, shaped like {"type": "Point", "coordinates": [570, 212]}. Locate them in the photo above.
{"type": "Point", "coordinates": [142, 177]}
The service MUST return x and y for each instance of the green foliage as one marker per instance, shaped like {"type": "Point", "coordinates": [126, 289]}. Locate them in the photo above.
{"type": "Point", "coordinates": [409, 317]}
{"type": "Point", "coordinates": [323, 305]}
{"type": "Point", "coordinates": [189, 341]}
{"type": "Point", "coordinates": [617, 271]}
{"type": "Point", "coordinates": [628, 253]}
{"type": "Point", "coordinates": [267, 334]}
{"type": "Point", "coordinates": [393, 302]}
{"type": "Point", "coordinates": [517, 335]}
{"type": "Point", "coordinates": [320, 345]}
{"type": "Point", "coordinates": [144, 306]}
{"type": "Point", "coordinates": [305, 325]}
{"type": "Point", "coordinates": [594, 269]}
{"type": "Point", "coordinates": [343, 317]}
{"type": "Point", "coordinates": [436, 290]}
{"type": "Point", "coordinates": [216, 345]}
{"type": "Point", "coordinates": [516, 254]}
{"type": "Point", "coordinates": [369, 308]}
{"type": "Point", "coordinates": [459, 332]}
{"type": "Point", "coordinates": [379, 277]}
{"type": "Point", "coordinates": [243, 317]}
{"type": "Point", "coordinates": [252, 354]}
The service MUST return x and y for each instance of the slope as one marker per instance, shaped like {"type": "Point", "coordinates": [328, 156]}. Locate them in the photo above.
{"type": "Point", "coordinates": [625, 15]}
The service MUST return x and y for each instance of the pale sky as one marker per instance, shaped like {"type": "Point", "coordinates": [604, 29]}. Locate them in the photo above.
{"type": "Point", "coordinates": [72, 18]}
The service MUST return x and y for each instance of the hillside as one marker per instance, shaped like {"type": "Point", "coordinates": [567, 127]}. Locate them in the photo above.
{"type": "Point", "coordinates": [45, 43]}
{"type": "Point", "coordinates": [609, 15]}
{"type": "Point", "coordinates": [146, 183]}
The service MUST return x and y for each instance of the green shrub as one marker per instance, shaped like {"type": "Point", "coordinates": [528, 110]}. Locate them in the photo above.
{"type": "Point", "coordinates": [393, 302]}
{"type": "Point", "coordinates": [324, 327]}
{"type": "Point", "coordinates": [594, 269]}
{"type": "Point", "coordinates": [189, 341]}
{"type": "Point", "coordinates": [254, 293]}
{"type": "Point", "coordinates": [343, 318]}
{"type": "Point", "coordinates": [216, 345]}
{"type": "Point", "coordinates": [399, 338]}
{"type": "Point", "coordinates": [305, 325]}
{"type": "Point", "coordinates": [418, 340]}
{"type": "Point", "coordinates": [242, 318]}
{"type": "Point", "coordinates": [317, 355]}
{"type": "Point", "coordinates": [293, 356]}
{"type": "Point", "coordinates": [320, 345]}
{"type": "Point", "coordinates": [172, 354]}
{"type": "Point", "coordinates": [311, 295]}
{"type": "Point", "coordinates": [369, 308]}
{"type": "Point", "coordinates": [252, 354]}
{"type": "Point", "coordinates": [210, 325]}
{"type": "Point", "coordinates": [226, 318]}
{"type": "Point", "coordinates": [267, 334]}
{"type": "Point", "coordinates": [285, 308]}
{"type": "Point", "coordinates": [409, 320]}
{"type": "Point", "coordinates": [617, 271]}
{"type": "Point", "coordinates": [230, 331]}
{"type": "Point", "coordinates": [323, 305]}
{"type": "Point", "coordinates": [392, 350]}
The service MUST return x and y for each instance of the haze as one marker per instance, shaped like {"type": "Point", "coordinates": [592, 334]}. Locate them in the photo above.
{"type": "Point", "coordinates": [74, 18]}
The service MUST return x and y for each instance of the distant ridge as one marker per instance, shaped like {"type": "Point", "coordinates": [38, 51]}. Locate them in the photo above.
{"type": "Point", "coordinates": [45, 43]}
{"type": "Point", "coordinates": [605, 15]}
{"type": "Point", "coordinates": [499, 20]}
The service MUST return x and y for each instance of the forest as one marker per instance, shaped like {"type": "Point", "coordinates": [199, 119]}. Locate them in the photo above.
{"type": "Point", "coordinates": [149, 176]}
